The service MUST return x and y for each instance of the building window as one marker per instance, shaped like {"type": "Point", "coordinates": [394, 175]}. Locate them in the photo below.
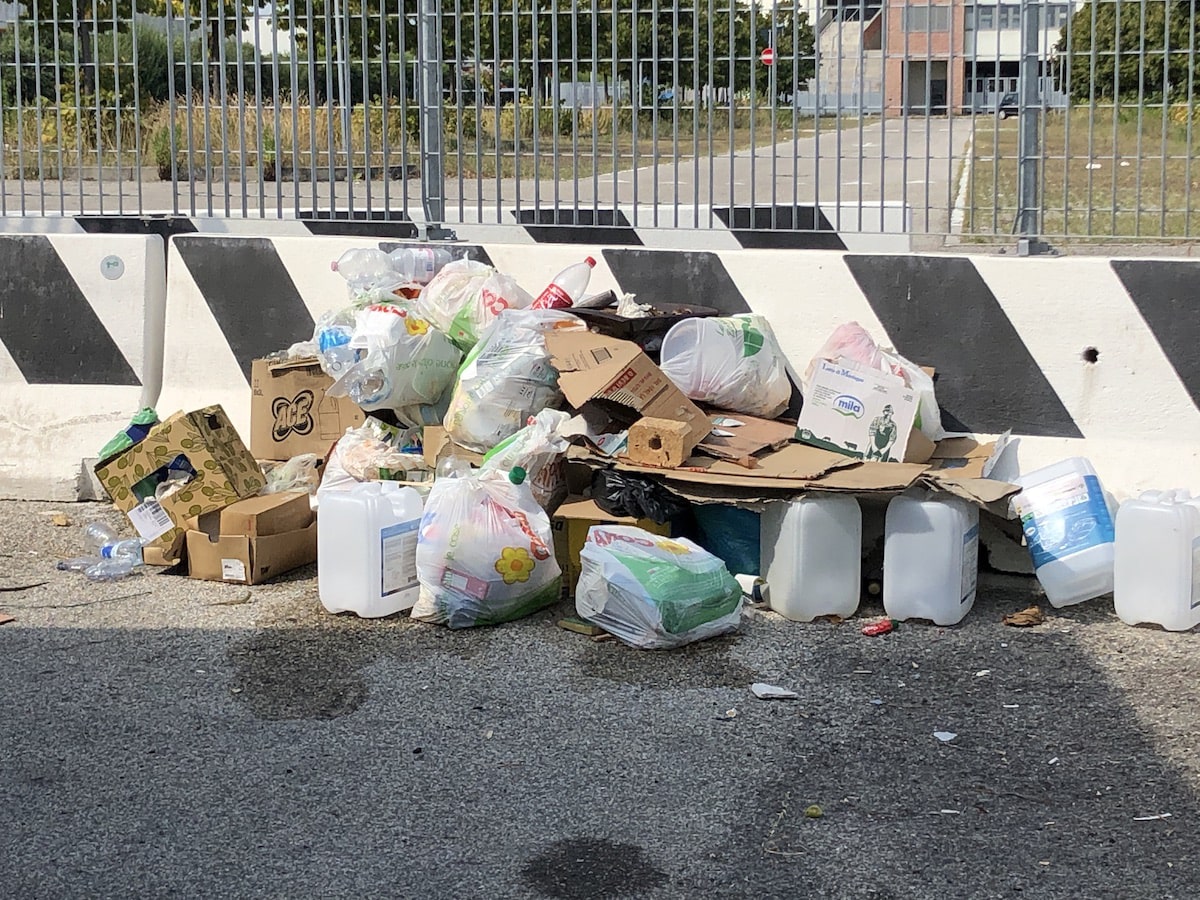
{"type": "Point", "coordinates": [1010, 16]}
{"type": "Point", "coordinates": [926, 18]}
{"type": "Point", "coordinates": [1057, 15]}
{"type": "Point", "coordinates": [987, 18]}
{"type": "Point", "coordinates": [968, 19]}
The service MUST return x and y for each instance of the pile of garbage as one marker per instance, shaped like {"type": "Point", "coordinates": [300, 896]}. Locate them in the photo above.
{"type": "Point", "coordinates": [476, 453]}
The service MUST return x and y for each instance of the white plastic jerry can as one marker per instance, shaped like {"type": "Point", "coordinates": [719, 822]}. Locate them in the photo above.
{"type": "Point", "coordinates": [812, 556]}
{"type": "Point", "coordinates": [367, 549]}
{"type": "Point", "coordinates": [1069, 530]}
{"type": "Point", "coordinates": [1157, 560]}
{"type": "Point", "coordinates": [930, 557]}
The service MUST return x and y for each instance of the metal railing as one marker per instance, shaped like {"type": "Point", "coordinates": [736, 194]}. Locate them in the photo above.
{"type": "Point", "coordinates": [978, 120]}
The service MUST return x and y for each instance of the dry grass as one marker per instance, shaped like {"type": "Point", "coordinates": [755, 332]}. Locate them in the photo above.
{"type": "Point", "coordinates": [301, 138]}
{"type": "Point", "coordinates": [1103, 175]}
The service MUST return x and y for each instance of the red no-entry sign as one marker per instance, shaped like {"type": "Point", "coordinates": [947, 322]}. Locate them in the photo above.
{"type": "Point", "coordinates": [768, 56]}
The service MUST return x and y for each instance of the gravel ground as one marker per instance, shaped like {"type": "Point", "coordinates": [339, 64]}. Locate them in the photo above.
{"type": "Point", "coordinates": [166, 737]}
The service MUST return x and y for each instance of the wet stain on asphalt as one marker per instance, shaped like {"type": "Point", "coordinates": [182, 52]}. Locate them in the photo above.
{"type": "Point", "coordinates": [587, 868]}
{"type": "Point", "coordinates": [289, 674]}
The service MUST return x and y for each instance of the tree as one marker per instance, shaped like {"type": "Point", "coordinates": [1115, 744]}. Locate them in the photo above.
{"type": "Point", "coordinates": [90, 19]}
{"type": "Point", "coordinates": [1125, 50]}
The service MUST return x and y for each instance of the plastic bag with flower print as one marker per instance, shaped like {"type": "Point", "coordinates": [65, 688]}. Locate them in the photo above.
{"type": "Point", "coordinates": [485, 553]}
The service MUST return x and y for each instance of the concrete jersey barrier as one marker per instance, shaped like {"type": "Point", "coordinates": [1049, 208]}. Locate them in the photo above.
{"type": "Point", "coordinates": [81, 340]}
{"type": "Point", "coordinates": [1076, 356]}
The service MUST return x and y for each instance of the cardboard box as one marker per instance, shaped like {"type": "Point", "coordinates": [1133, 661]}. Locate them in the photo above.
{"type": "Point", "coordinates": [570, 527]}
{"type": "Point", "coordinates": [290, 413]}
{"type": "Point", "coordinates": [858, 412]}
{"type": "Point", "coordinates": [205, 449]}
{"type": "Point", "coordinates": [253, 540]}
{"type": "Point", "coordinates": [607, 378]}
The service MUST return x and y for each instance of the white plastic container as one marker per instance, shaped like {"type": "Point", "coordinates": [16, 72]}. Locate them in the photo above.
{"type": "Point", "coordinates": [812, 556]}
{"type": "Point", "coordinates": [930, 558]}
{"type": "Point", "coordinates": [1157, 560]}
{"type": "Point", "coordinates": [367, 549]}
{"type": "Point", "coordinates": [1069, 529]}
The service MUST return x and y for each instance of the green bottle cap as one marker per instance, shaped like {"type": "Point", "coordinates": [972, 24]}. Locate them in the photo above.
{"type": "Point", "coordinates": [517, 475]}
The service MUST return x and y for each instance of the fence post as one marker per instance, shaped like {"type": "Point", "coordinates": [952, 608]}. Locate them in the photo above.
{"type": "Point", "coordinates": [1028, 212]}
{"type": "Point", "coordinates": [433, 167]}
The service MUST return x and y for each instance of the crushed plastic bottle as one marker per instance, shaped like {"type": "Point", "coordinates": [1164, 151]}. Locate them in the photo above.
{"type": "Point", "coordinates": [419, 264]}
{"type": "Point", "coordinates": [111, 569]}
{"type": "Point", "coordinates": [366, 269]}
{"type": "Point", "coordinates": [97, 534]}
{"type": "Point", "coordinates": [568, 286]}
{"type": "Point", "coordinates": [114, 557]}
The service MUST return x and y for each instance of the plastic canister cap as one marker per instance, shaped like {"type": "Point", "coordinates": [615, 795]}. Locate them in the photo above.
{"type": "Point", "coordinates": [591, 262]}
{"type": "Point", "coordinates": [516, 475]}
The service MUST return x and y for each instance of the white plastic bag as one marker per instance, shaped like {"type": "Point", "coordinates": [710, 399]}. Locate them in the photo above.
{"type": "Point", "coordinates": [466, 297]}
{"type": "Point", "coordinates": [507, 378]}
{"type": "Point", "coordinates": [401, 360]}
{"type": "Point", "coordinates": [540, 450]}
{"type": "Point", "coordinates": [734, 363]}
{"type": "Point", "coordinates": [654, 592]}
{"type": "Point", "coordinates": [484, 552]}
{"type": "Point", "coordinates": [853, 342]}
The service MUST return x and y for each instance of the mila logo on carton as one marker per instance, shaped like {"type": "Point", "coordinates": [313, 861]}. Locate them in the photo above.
{"type": "Point", "coordinates": [292, 416]}
{"type": "Point", "coordinates": [849, 405]}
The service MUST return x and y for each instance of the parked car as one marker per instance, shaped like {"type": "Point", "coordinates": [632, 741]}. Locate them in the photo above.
{"type": "Point", "coordinates": [1008, 105]}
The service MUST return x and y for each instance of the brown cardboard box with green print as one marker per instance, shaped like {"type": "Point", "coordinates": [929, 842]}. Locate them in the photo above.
{"type": "Point", "coordinates": [225, 471]}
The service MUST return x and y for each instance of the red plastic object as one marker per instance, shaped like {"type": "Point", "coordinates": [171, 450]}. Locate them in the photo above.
{"type": "Point", "coordinates": [883, 626]}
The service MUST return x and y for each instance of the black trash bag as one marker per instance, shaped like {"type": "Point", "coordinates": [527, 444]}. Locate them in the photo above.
{"type": "Point", "coordinates": [624, 494]}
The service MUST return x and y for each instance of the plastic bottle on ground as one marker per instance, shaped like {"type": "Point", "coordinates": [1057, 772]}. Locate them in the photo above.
{"type": "Point", "coordinates": [419, 264]}
{"type": "Point", "coordinates": [97, 534]}
{"type": "Point", "coordinates": [111, 569]}
{"type": "Point", "coordinates": [930, 558]}
{"type": "Point", "coordinates": [812, 556]}
{"type": "Point", "coordinates": [568, 286]}
{"type": "Point", "coordinates": [1069, 529]}
{"type": "Point", "coordinates": [366, 549]}
{"type": "Point", "coordinates": [1156, 571]}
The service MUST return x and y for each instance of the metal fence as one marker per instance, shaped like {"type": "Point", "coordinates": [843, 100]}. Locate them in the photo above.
{"type": "Point", "coordinates": [977, 119]}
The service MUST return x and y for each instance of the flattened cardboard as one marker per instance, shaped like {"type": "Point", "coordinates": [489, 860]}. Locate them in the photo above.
{"type": "Point", "coordinates": [617, 377]}
{"type": "Point", "coordinates": [290, 413]}
{"type": "Point", "coordinates": [752, 437]}
{"type": "Point", "coordinates": [241, 559]}
{"type": "Point", "coordinates": [262, 516]}
{"type": "Point", "coordinates": [225, 472]}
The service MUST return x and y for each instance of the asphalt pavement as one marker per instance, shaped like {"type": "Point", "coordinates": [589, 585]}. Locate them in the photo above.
{"type": "Point", "coordinates": [163, 737]}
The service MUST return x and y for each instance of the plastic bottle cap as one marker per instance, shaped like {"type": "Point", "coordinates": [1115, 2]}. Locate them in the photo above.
{"type": "Point", "coordinates": [516, 475]}
{"type": "Point", "coordinates": [591, 262]}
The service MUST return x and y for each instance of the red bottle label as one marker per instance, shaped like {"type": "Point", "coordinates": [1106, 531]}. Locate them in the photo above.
{"type": "Point", "coordinates": [553, 297]}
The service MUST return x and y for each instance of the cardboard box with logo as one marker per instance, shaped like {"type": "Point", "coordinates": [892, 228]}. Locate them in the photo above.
{"type": "Point", "coordinates": [857, 412]}
{"type": "Point", "coordinates": [253, 540]}
{"type": "Point", "coordinates": [201, 464]}
{"type": "Point", "coordinates": [613, 384]}
{"type": "Point", "coordinates": [290, 413]}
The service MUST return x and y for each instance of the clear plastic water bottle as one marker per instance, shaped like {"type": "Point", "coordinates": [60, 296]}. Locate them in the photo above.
{"type": "Point", "coordinates": [97, 534]}
{"type": "Point", "coordinates": [128, 548]}
{"type": "Point", "coordinates": [365, 269]}
{"type": "Point", "coordinates": [333, 344]}
{"type": "Point", "coordinates": [568, 286]}
{"type": "Point", "coordinates": [113, 569]}
{"type": "Point", "coordinates": [419, 264]}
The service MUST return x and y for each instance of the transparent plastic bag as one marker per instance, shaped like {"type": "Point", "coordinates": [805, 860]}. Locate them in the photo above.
{"type": "Point", "coordinates": [852, 342]}
{"type": "Point", "coordinates": [401, 360]}
{"type": "Point", "coordinates": [540, 450]}
{"type": "Point", "coordinates": [734, 363]}
{"type": "Point", "coordinates": [300, 473]}
{"type": "Point", "coordinates": [466, 296]}
{"type": "Point", "coordinates": [374, 451]}
{"type": "Point", "coordinates": [654, 592]}
{"type": "Point", "coordinates": [484, 552]}
{"type": "Point", "coordinates": [507, 378]}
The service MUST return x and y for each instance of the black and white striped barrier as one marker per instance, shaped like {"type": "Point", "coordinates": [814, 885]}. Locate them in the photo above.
{"type": "Point", "coordinates": [1085, 356]}
{"type": "Point", "coordinates": [81, 341]}
{"type": "Point", "coordinates": [1075, 355]}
